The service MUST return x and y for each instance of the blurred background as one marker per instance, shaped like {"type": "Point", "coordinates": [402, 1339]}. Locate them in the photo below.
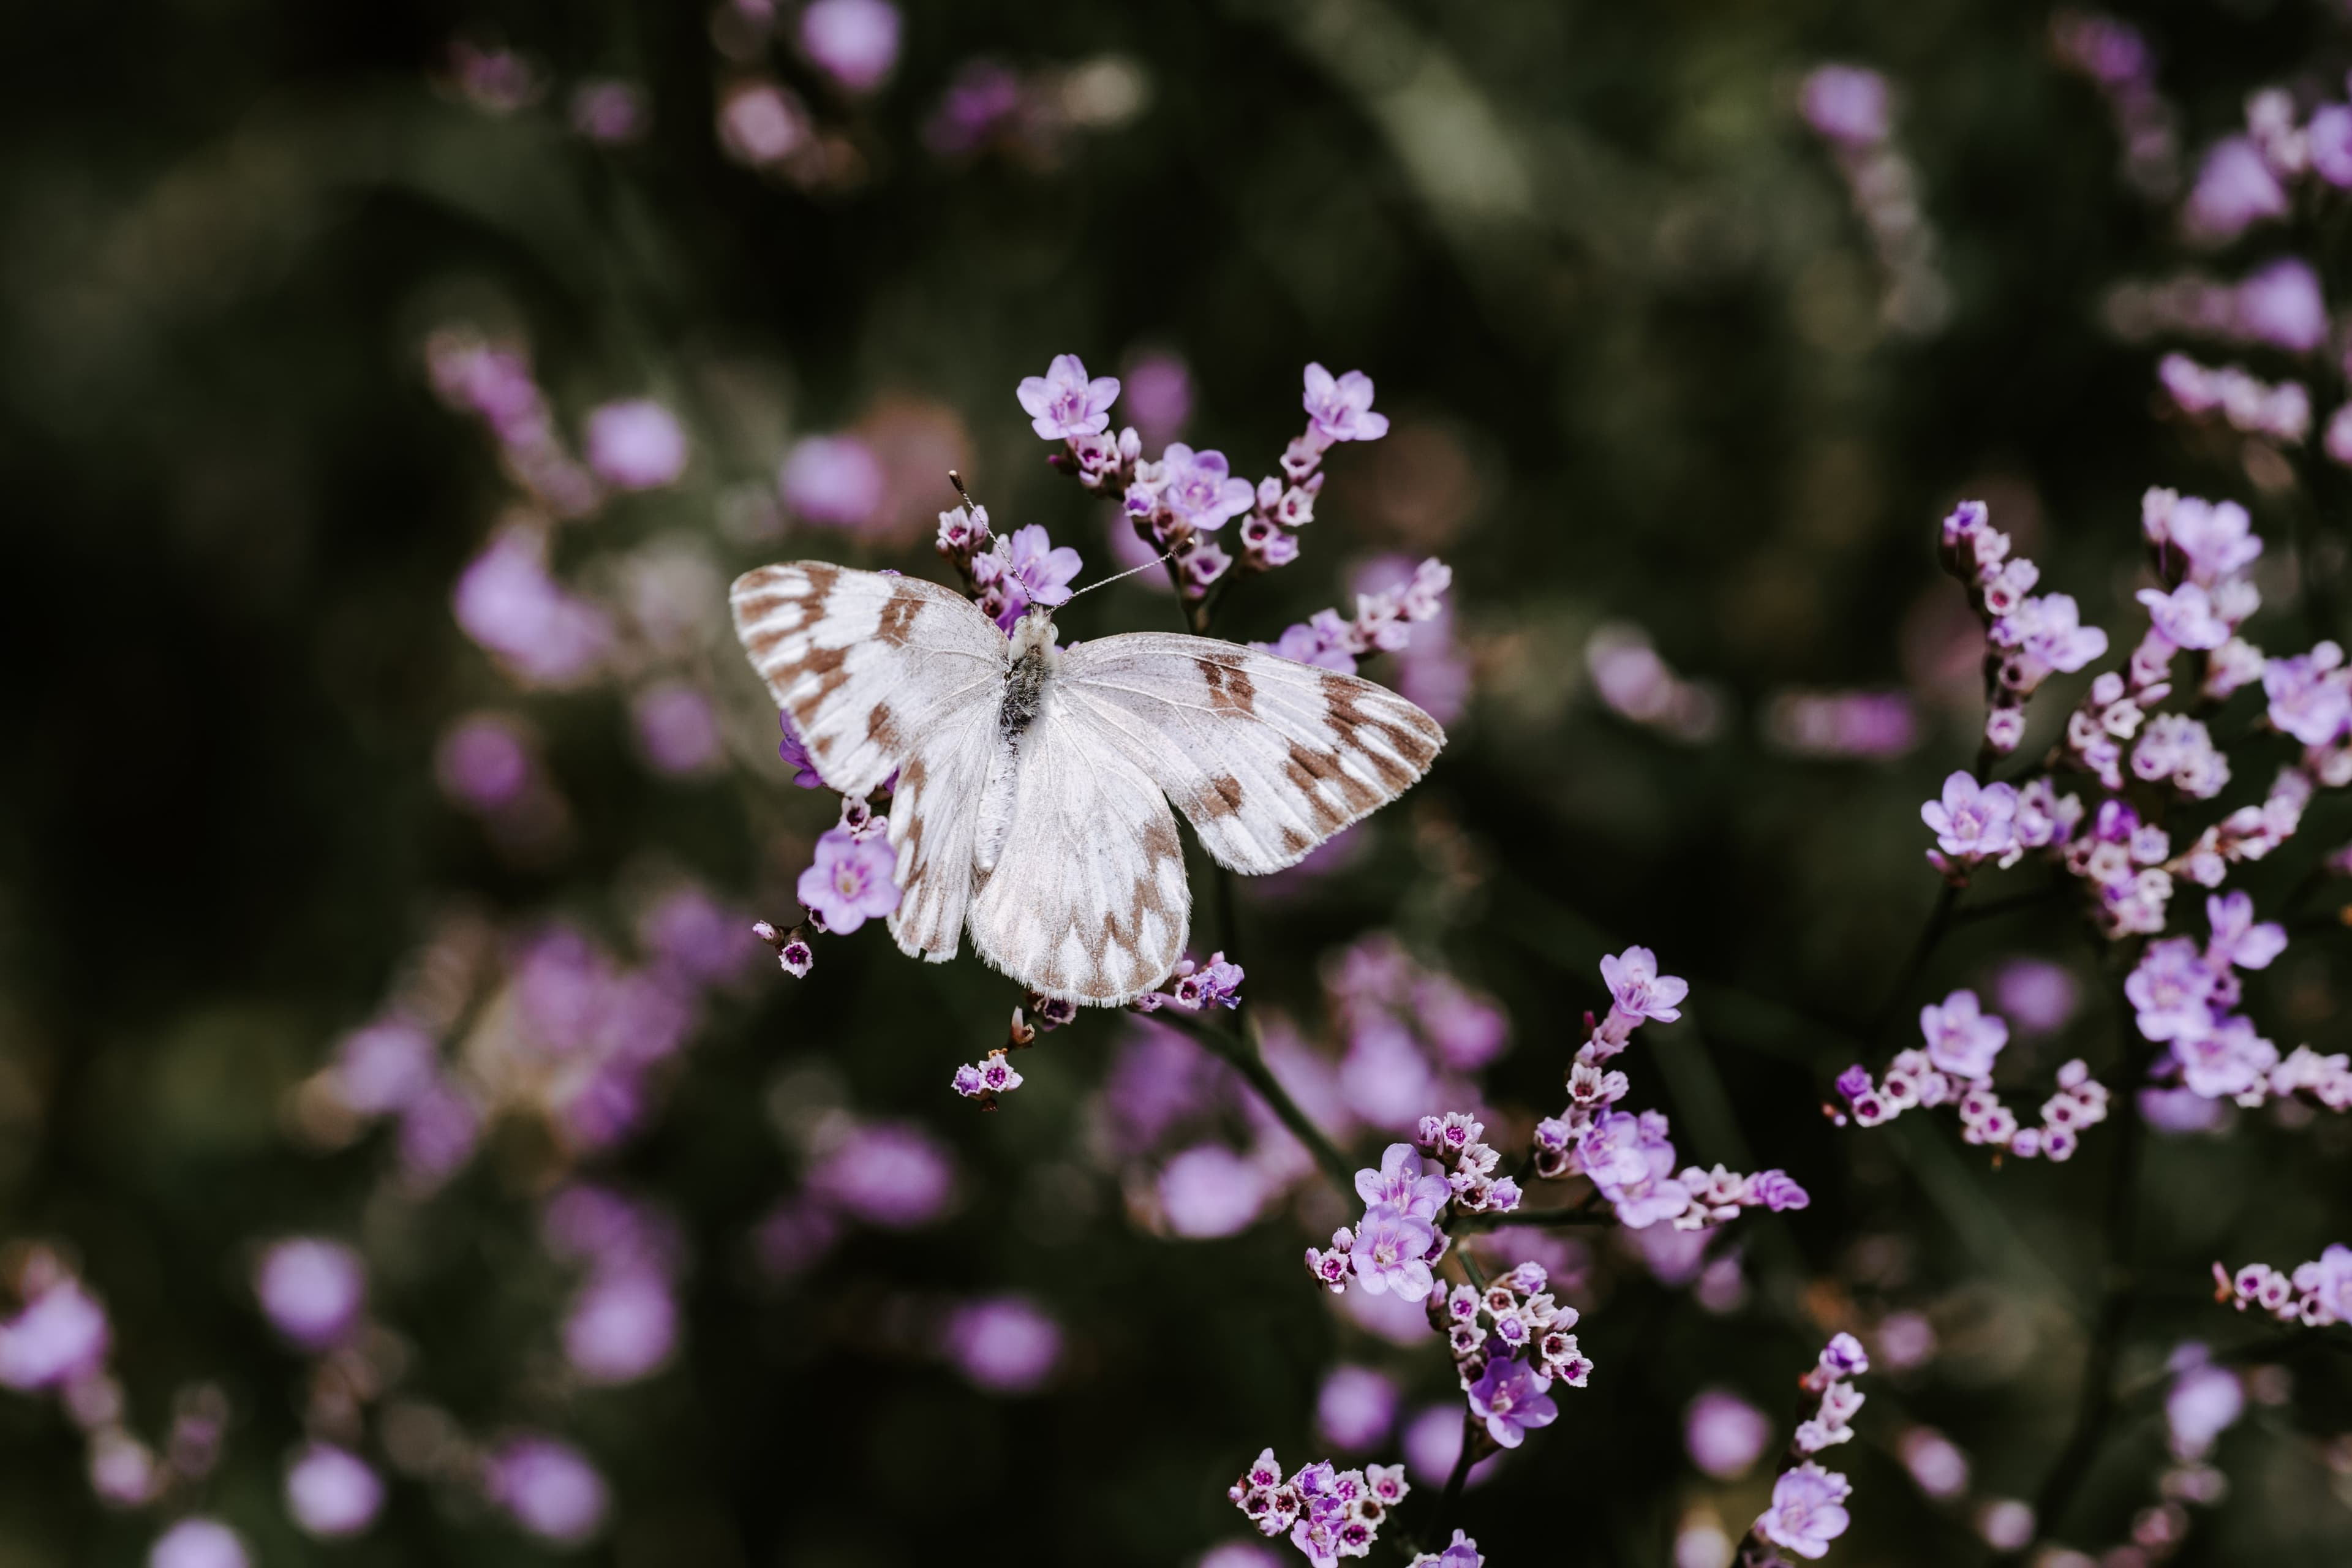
{"type": "Point", "coordinates": [390, 394]}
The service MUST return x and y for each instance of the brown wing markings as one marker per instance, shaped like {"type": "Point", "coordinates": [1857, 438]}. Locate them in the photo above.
{"type": "Point", "coordinates": [1231, 690]}
{"type": "Point", "coordinates": [897, 621]}
{"type": "Point", "coordinates": [1221, 799]}
{"type": "Point", "coordinates": [1412, 750]}
{"type": "Point", "coordinates": [1161, 846]}
{"type": "Point", "coordinates": [882, 728]}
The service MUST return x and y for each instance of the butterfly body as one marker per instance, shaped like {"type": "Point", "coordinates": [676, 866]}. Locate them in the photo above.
{"type": "Point", "coordinates": [1035, 782]}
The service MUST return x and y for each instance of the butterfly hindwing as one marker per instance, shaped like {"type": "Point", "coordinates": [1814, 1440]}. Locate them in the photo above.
{"type": "Point", "coordinates": [1087, 900]}
{"type": "Point", "coordinates": [1265, 756]}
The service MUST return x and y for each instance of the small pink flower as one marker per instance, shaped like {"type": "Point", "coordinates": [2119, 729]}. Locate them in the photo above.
{"type": "Point", "coordinates": [850, 881]}
{"type": "Point", "coordinates": [1064, 404]}
{"type": "Point", "coordinates": [1339, 408]}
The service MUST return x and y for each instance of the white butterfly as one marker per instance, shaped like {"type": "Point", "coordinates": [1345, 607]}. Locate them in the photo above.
{"type": "Point", "coordinates": [1034, 781]}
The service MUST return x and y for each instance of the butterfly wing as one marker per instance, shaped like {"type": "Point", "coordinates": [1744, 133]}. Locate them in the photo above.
{"type": "Point", "coordinates": [1086, 900]}
{"type": "Point", "coordinates": [881, 673]}
{"type": "Point", "coordinates": [1265, 756]}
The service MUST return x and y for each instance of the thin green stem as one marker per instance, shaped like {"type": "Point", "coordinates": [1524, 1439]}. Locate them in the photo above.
{"type": "Point", "coordinates": [1245, 1059]}
{"type": "Point", "coordinates": [1452, 1495]}
{"type": "Point", "coordinates": [1931, 936]}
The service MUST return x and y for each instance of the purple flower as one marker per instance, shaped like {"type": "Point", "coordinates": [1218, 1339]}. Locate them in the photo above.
{"type": "Point", "coordinates": [856, 42]}
{"type": "Point", "coordinates": [834, 480]}
{"type": "Point", "coordinates": [1357, 1408]}
{"type": "Point", "coordinates": [548, 1487]}
{"type": "Point", "coordinates": [1630, 1161]}
{"type": "Point", "coordinates": [1005, 1344]}
{"type": "Point", "coordinates": [1158, 396]}
{"type": "Point", "coordinates": [849, 882]}
{"type": "Point", "coordinates": [2171, 989]}
{"type": "Point", "coordinates": [1846, 104]}
{"type": "Point", "coordinates": [2237, 939]}
{"type": "Point", "coordinates": [1033, 572]}
{"type": "Point", "coordinates": [762, 124]}
{"type": "Point", "coordinates": [638, 445]}
{"type": "Point", "coordinates": [675, 729]}
{"type": "Point", "coordinates": [610, 113]}
{"type": "Point", "coordinates": [1211, 1191]}
{"type": "Point", "coordinates": [622, 1327]}
{"type": "Point", "coordinates": [2328, 1282]}
{"type": "Point", "coordinates": [2235, 190]}
{"type": "Point", "coordinates": [796, 756]}
{"type": "Point", "coordinates": [1962, 1040]}
{"type": "Point", "coordinates": [2039, 996]}
{"type": "Point", "coordinates": [312, 1290]}
{"type": "Point", "coordinates": [2203, 1402]}
{"type": "Point", "coordinates": [59, 1337]}
{"type": "Point", "coordinates": [1340, 408]}
{"type": "Point", "coordinates": [507, 602]}
{"type": "Point", "coordinates": [1462, 1552]}
{"type": "Point", "coordinates": [1511, 1398]}
{"type": "Point", "coordinates": [332, 1492]}
{"type": "Point", "coordinates": [1215, 983]}
{"type": "Point", "coordinates": [2330, 137]}
{"type": "Point", "coordinates": [1843, 1357]}
{"type": "Point", "coordinates": [1776, 1191]}
{"type": "Point", "coordinates": [1973, 821]}
{"type": "Point", "coordinates": [1063, 405]}
{"type": "Point", "coordinates": [1637, 990]}
{"type": "Point", "coordinates": [967, 1082]}
{"type": "Point", "coordinates": [198, 1543]}
{"type": "Point", "coordinates": [2281, 305]}
{"type": "Point", "coordinates": [2309, 700]}
{"type": "Point", "coordinates": [1806, 1514]}
{"type": "Point", "coordinates": [1390, 1254]}
{"type": "Point", "coordinates": [483, 761]}
{"type": "Point", "coordinates": [1724, 1434]}
{"type": "Point", "coordinates": [1402, 1185]}
{"type": "Point", "coordinates": [1309, 644]}
{"type": "Point", "coordinates": [2217, 537]}
{"type": "Point", "coordinates": [2185, 616]}
{"type": "Point", "coordinates": [887, 1173]}
{"type": "Point", "coordinates": [1200, 488]}
{"type": "Point", "coordinates": [2226, 1061]}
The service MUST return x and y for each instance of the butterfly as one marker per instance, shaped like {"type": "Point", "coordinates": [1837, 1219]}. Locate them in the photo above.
{"type": "Point", "coordinates": [1034, 781]}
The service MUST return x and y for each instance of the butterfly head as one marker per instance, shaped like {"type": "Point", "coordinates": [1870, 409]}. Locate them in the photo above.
{"type": "Point", "coordinates": [1034, 632]}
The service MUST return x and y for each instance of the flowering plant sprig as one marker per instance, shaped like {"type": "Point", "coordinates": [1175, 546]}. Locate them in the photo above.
{"type": "Point", "coordinates": [1382, 622]}
{"type": "Point", "coordinates": [1178, 502]}
{"type": "Point", "coordinates": [1962, 1044]}
{"type": "Point", "coordinates": [1510, 1342]}
{"type": "Point", "coordinates": [2315, 1294]}
{"type": "Point", "coordinates": [2031, 637]}
{"type": "Point", "coordinates": [1329, 1513]}
{"type": "Point", "coordinates": [1630, 1159]}
{"type": "Point", "coordinates": [1193, 986]}
{"type": "Point", "coordinates": [1808, 1508]}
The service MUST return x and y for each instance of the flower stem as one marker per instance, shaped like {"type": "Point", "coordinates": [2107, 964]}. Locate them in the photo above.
{"type": "Point", "coordinates": [1244, 1058]}
{"type": "Point", "coordinates": [1452, 1495]}
{"type": "Point", "coordinates": [2095, 1404]}
{"type": "Point", "coordinates": [1931, 936]}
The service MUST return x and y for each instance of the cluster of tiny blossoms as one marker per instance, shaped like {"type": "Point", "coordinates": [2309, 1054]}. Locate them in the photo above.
{"type": "Point", "coordinates": [1329, 1513]}
{"type": "Point", "coordinates": [1406, 1204]}
{"type": "Point", "coordinates": [2316, 1294]}
{"type": "Point", "coordinates": [1382, 622]}
{"type": "Point", "coordinates": [852, 878]}
{"type": "Point", "coordinates": [1509, 1343]}
{"type": "Point", "coordinates": [1182, 500]}
{"type": "Point", "coordinates": [1193, 986]}
{"type": "Point", "coordinates": [1808, 1509]}
{"type": "Point", "coordinates": [1005, 576]}
{"type": "Point", "coordinates": [1956, 1069]}
{"type": "Point", "coordinates": [2183, 996]}
{"type": "Point", "coordinates": [1630, 1159]}
{"type": "Point", "coordinates": [1852, 109]}
{"type": "Point", "coordinates": [2031, 637]}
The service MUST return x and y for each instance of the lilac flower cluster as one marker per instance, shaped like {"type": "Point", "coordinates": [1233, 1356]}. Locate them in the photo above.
{"type": "Point", "coordinates": [493, 382]}
{"type": "Point", "coordinates": [1413, 1033]}
{"type": "Point", "coordinates": [1852, 109]}
{"type": "Point", "coordinates": [2034, 637]}
{"type": "Point", "coordinates": [2116, 59]}
{"type": "Point", "coordinates": [1629, 1158]}
{"type": "Point", "coordinates": [1180, 502]}
{"type": "Point", "coordinates": [2278, 305]}
{"type": "Point", "coordinates": [1842, 724]}
{"type": "Point", "coordinates": [2316, 1294]}
{"type": "Point", "coordinates": [1636, 684]}
{"type": "Point", "coordinates": [622, 1323]}
{"type": "Point", "coordinates": [1510, 1343]}
{"type": "Point", "coordinates": [1394, 1246]}
{"type": "Point", "coordinates": [1382, 622]}
{"type": "Point", "coordinates": [1007, 575]}
{"type": "Point", "coordinates": [1328, 1513]}
{"type": "Point", "coordinates": [2247, 404]}
{"type": "Point", "coordinates": [1808, 1508]}
{"type": "Point", "coordinates": [1195, 987]}
{"type": "Point", "coordinates": [1462, 1552]}
{"type": "Point", "coordinates": [1962, 1044]}
{"type": "Point", "coordinates": [891, 1175]}
{"type": "Point", "coordinates": [2182, 996]}
{"type": "Point", "coordinates": [2244, 179]}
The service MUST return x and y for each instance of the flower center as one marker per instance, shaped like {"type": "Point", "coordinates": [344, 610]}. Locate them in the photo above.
{"type": "Point", "coordinates": [848, 881]}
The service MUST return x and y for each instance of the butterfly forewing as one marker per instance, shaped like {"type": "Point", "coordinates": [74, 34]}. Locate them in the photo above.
{"type": "Point", "coordinates": [1265, 756]}
{"type": "Point", "coordinates": [879, 673]}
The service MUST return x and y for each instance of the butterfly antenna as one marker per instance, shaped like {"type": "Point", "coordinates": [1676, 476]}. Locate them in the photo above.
{"type": "Point", "coordinates": [957, 479]}
{"type": "Point", "coordinates": [1106, 582]}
